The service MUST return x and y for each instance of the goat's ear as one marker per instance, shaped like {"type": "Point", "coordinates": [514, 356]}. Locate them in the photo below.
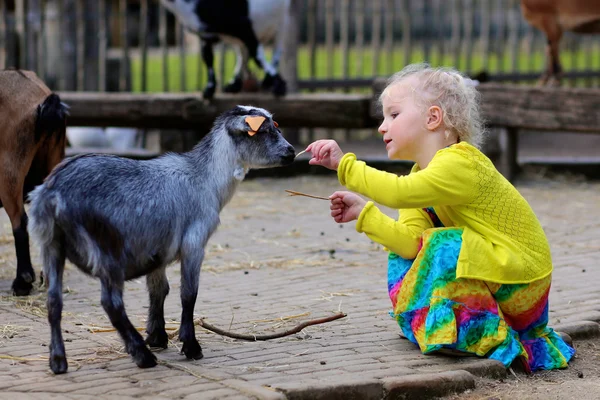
{"type": "Point", "coordinates": [254, 122]}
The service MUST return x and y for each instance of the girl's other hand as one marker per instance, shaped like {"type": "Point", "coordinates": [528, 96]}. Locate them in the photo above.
{"type": "Point", "coordinates": [346, 206]}
{"type": "Point", "coordinates": [326, 153]}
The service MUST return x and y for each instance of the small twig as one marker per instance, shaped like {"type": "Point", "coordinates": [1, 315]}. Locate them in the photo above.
{"type": "Point", "coordinates": [294, 193]}
{"type": "Point", "coordinates": [254, 338]}
{"type": "Point", "coordinates": [297, 155]}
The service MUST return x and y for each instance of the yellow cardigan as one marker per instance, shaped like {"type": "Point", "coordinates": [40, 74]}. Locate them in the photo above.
{"type": "Point", "coordinates": [502, 240]}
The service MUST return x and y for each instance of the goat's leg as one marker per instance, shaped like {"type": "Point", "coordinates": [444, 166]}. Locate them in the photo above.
{"type": "Point", "coordinates": [553, 33]}
{"type": "Point", "coordinates": [236, 84]}
{"type": "Point", "coordinates": [257, 53]}
{"type": "Point", "coordinates": [11, 194]}
{"type": "Point", "coordinates": [209, 60]}
{"type": "Point", "coordinates": [191, 262]}
{"type": "Point", "coordinates": [158, 288]}
{"type": "Point", "coordinates": [54, 265]}
{"type": "Point", "coordinates": [112, 302]}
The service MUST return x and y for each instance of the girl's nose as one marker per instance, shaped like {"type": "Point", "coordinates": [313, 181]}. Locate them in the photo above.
{"type": "Point", "coordinates": [382, 128]}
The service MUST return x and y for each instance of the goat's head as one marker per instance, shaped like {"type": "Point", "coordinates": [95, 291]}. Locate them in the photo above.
{"type": "Point", "coordinates": [257, 138]}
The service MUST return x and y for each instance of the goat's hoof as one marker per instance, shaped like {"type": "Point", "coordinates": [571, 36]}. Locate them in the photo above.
{"type": "Point", "coordinates": [158, 339]}
{"type": "Point", "coordinates": [279, 87]}
{"type": "Point", "coordinates": [21, 287]}
{"type": "Point", "coordinates": [267, 82]}
{"type": "Point", "coordinates": [192, 350]}
{"type": "Point", "coordinates": [144, 358]}
{"type": "Point", "coordinates": [209, 92]}
{"type": "Point", "coordinates": [58, 363]}
{"type": "Point", "coordinates": [234, 87]}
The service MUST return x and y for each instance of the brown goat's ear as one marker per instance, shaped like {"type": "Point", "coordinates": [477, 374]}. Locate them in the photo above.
{"type": "Point", "coordinates": [255, 124]}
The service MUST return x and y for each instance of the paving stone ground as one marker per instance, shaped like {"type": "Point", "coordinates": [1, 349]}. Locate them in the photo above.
{"type": "Point", "coordinates": [274, 262]}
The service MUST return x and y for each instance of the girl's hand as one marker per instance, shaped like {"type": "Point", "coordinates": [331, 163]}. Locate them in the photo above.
{"type": "Point", "coordinates": [346, 206]}
{"type": "Point", "coordinates": [326, 153]}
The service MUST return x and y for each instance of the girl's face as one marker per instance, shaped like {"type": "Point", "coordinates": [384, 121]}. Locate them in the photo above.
{"type": "Point", "coordinates": [403, 126]}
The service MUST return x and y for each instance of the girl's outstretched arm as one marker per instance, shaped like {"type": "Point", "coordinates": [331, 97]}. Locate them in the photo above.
{"type": "Point", "coordinates": [449, 179]}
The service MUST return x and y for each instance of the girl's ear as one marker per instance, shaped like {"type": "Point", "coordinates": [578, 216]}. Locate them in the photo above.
{"type": "Point", "coordinates": [435, 117]}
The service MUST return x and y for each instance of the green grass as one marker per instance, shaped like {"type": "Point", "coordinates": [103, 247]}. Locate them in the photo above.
{"type": "Point", "coordinates": [195, 80]}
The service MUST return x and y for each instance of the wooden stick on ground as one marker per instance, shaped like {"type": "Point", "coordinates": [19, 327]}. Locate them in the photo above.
{"type": "Point", "coordinates": [254, 338]}
{"type": "Point", "coordinates": [294, 193]}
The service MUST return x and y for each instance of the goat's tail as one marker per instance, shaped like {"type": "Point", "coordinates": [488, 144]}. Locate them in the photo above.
{"type": "Point", "coordinates": [42, 215]}
{"type": "Point", "coordinates": [51, 116]}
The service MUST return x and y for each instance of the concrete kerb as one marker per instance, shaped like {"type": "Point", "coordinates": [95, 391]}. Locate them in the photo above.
{"type": "Point", "coordinates": [418, 386]}
{"type": "Point", "coordinates": [580, 330]}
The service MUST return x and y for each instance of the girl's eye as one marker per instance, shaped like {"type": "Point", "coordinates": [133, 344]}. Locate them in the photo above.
{"type": "Point", "coordinates": [394, 115]}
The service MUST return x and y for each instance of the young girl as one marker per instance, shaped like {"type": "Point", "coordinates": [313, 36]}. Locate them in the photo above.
{"type": "Point", "coordinates": [469, 268]}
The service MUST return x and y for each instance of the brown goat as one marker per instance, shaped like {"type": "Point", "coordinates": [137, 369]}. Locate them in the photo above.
{"type": "Point", "coordinates": [553, 17]}
{"type": "Point", "coordinates": [32, 142]}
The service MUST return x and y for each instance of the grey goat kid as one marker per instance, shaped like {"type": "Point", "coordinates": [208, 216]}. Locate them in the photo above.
{"type": "Point", "coordinates": [118, 219]}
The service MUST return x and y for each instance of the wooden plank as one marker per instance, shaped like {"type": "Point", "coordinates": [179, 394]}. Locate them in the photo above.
{"type": "Point", "coordinates": [468, 7]}
{"type": "Point", "coordinates": [180, 42]}
{"type": "Point", "coordinates": [102, 45]}
{"type": "Point", "coordinates": [344, 36]}
{"type": "Point", "coordinates": [162, 34]}
{"type": "Point", "coordinates": [41, 43]}
{"type": "Point", "coordinates": [144, 43]}
{"type": "Point", "coordinates": [312, 36]}
{"type": "Point", "coordinates": [389, 35]}
{"type": "Point", "coordinates": [406, 32]}
{"type": "Point", "coordinates": [3, 35]}
{"type": "Point", "coordinates": [21, 29]}
{"type": "Point", "coordinates": [80, 52]}
{"type": "Point", "coordinates": [181, 110]}
{"type": "Point", "coordinates": [484, 49]}
{"type": "Point", "coordinates": [376, 35]}
{"type": "Point", "coordinates": [359, 43]}
{"type": "Point", "coordinates": [124, 27]}
{"type": "Point", "coordinates": [531, 107]}
{"type": "Point", "coordinates": [329, 35]}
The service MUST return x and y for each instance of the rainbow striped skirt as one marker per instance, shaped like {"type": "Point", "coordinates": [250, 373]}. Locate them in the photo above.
{"type": "Point", "coordinates": [435, 310]}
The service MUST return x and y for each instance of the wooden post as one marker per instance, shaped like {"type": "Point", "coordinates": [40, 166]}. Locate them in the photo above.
{"type": "Point", "coordinates": [80, 40]}
{"type": "Point", "coordinates": [69, 44]}
{"type": "Point", "coordinates": [91, 45]}
{"type": "Point", "coordinates": [162, 33]}
{"type": "Point", "coordinates": [144, 43]}
{"type": "Point", "coordinates": [124, 69]}
{"type": "Point", "coordinates": [406, 32]}
{"type": "Point", "coordinates": [507, 160]}
{"type": "Point", "coordinates": [102, 45]}
{"type": "Point", "coordinates": [289, 61]}
{"type": "Point", "coordinates": [3, 36]}
{"type": "Point", "coordinates": [21, 27]}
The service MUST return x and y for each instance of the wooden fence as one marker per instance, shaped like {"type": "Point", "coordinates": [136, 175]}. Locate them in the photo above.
{"type": "Point", "coordinates": [136, 45]}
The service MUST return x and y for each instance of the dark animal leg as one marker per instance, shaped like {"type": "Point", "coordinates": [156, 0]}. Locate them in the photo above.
{"type": "Point", "coordinates": [272, 79]}
{"type": "Point", "coordinates": [112, 302]}
{"type": "Point", "coordinates": [11, 194]}
{"type": "Point", "coordinates": [54, 264]}
{"type": "Point", "coordinates": [553, 72]}
{"type": "Point", "coordinates": [190, 275]}
{"type": "Point", "coordinates": [208, 57]}
{"type": "Point", "coordinates": [158, 288]}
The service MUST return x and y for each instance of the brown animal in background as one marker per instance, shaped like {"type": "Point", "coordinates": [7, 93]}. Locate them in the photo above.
{"type": "Point", "coordinates": [32, 142]}
{"type": "Point", "coordinates": [553, 17]}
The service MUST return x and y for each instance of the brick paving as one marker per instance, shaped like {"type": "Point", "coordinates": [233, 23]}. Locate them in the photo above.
{"type": "Point", "coordinates": [274, 262]}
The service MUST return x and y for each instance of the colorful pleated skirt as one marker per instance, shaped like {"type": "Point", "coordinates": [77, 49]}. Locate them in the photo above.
{"type": "Point", "coordinates": [435, 310]}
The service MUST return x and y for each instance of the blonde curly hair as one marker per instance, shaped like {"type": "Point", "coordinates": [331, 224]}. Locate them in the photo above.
{"type": "Point", "coordinates": [448, 89]}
